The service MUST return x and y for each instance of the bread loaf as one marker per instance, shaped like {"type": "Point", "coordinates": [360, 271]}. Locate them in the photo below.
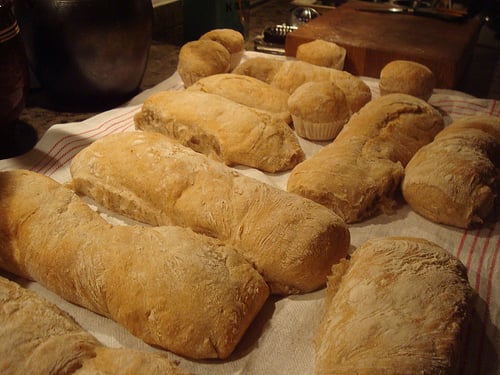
{"type": "Point", "coordinates": [202, 58]}
{"type": "Point", "coordinates": [36, 337]}
{"type": "Point", "coordinates": [290, 240]}
{"type": "Point", "coordinates": [262, 68]}
{"type": "Point", "coordinates": [398, 306]}
{"type": "Point", "coordinates": [455, 179]}
{"type": "Point", "coordinates": [169, 286]}
{"type": "Point", "coordinates": [359, 173]}
{"type": "Point", "coordinates": [222, 129]}
{"type": "Point", "coordinates": [248, 91]}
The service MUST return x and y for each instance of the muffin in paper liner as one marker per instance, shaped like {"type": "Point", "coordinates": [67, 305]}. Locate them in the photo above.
{"type": "Point", "coordinates": [319, 110]}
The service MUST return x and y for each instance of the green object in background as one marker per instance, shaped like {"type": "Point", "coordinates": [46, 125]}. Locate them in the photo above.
{"type": "Point", "coordinates": [203, 16]}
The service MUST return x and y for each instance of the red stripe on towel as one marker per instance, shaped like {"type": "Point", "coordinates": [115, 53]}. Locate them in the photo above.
{"type": "Point", "coordinates": [52, 155]}
{"type": "Point", "coordinates": [484, 327]}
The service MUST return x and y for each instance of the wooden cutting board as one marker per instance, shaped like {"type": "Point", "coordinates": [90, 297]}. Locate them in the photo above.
{"type": "Point", "coordinates": [374, 39]}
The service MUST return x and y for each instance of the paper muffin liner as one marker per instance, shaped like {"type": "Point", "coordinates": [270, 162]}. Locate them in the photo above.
{"type": "Point", "coordinates": [316, 131]}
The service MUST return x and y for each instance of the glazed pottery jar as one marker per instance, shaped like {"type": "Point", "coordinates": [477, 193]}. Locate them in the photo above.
{"type": "Point", "coordinates": [88, 53]}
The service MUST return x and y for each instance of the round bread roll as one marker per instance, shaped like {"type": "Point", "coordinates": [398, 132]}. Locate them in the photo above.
{"type": "Point", "coordinates": [319, 110]}
{"type": "Point", "coordinates": [407, 77]}
{"type": "Point", "coordinates": [202, 58]}
{"type": "Point", "coordinates": [322, 53]}
{"type": "Point", "coordinates": [231, 39]}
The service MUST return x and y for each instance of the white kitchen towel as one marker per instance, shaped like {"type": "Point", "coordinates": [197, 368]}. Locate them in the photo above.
{"type": "Point", "coordinates": [280, 341]}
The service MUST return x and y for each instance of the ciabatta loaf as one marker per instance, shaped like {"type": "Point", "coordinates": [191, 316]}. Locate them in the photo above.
{"type": "Point", "coordinates": [290, 74]}
{"type": "Point", "coordinates": [398, 306]}
{"type": "Point", "coordinates": [291, 241]}
{"type": "Point", "coordinates": [359, 173]}
{"type": "Point", "coordinates": [248, 91]}
{"type": "Point", "coordinates": [455, 180]}
{"type": "Point", "coordinates": [36, 337]}
{"type": "Point", "coordinates": [169, 286]}
{"type": "Point", "coordinates": [222, 129]}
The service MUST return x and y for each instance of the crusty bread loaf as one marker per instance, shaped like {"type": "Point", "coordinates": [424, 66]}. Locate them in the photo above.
{"type": "Point", "coordinates": [169, 286]}
{"type": "Point", "coordinates": [262, 68]}
{"type": "Point", "coordinates": [398, 306]}
{"type": "Point", "coordinates": [455, 179]}
{"type": "Point", "coordinates": [248, 91]}
{"type": "Point", "coordinates": [288, 75]}
{"type": "Point", "coordinates": [290, 240]}
{"type": "Point", "coordinates": [407, 77]}
{"type": "Point", "coordinates": [323, 53]}
{"type": "Point", "coordinates": [222, 129]}
{"type": "Point", "coordinates": [359, 173]}
{"type": "Point", "coordinates": [36, 337]}
{"type": "Point", "coordinates": [319, 110]}
{"type": "Point", "coordinates": [202, 58]}
{"type": "Point", "coordinates": [231, 39]}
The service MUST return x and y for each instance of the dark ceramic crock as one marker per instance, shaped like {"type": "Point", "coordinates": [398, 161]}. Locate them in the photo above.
{"type": "Point", "coordinates": [14, 73]}
{"type": "Point", "coordinates": [87, 53]}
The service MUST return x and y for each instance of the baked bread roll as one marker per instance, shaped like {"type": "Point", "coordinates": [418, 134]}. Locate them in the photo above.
{"type": "Point", "coordinates": [169, 286]}
{"type": "Point", "coordinates": [222, 129]}
{"type": "Point", "coordinates": [202, 58]}
{"type": "Point", "coordinates": [262, 68]}
{"type": "Point", "coordinates": [36, 337]}
{"type": "Point", "coordinates": [398, 306]}
{"type": "Point", "coordinates": [359, 173]}
{"type": "Point", "coordinates": [407, 77]}
{"type": "Point", "coordinates": [319, 110]}
{"type": "Point", "coordinates": [323, 53]}
{"type": "Point", "coordinates": [231, 39]}
{"type": "Point", "coordinates": [455, 179]}
{"type": "Point", "coordinates": [248, 91]}
{"type": "Point", "coordinates": [290, 240]}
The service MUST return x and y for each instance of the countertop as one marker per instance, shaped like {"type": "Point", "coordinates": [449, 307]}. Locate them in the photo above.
{"type": "Point", "coordinates": [482, 78]}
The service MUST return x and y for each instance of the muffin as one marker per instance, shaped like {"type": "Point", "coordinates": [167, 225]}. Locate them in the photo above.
{"type": "Point", "coordinates": [231, 39]}
{"type": "Point", "coordinates": [407, 77]}
{"type": "Point", "coordinates": [319, 110]}
{"type": "Point", "coordinates": [202, 58]}
{"type": "Point", "coordinates": [322, 53]}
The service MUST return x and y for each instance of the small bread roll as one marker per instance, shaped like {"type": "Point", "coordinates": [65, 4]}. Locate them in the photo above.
{"type": "Point", "coordinates": [407, 77]}
{"type": "Point", "coordinates": [319, 110]}
{"type": "Point", "coordinates": [231, 39]}
{"type": "Point", "coordinates": [400, 305]}
{"type": "Point", "coordinates": [455, 179]}
{"type": "Point", "coordinates": [202, 58]}
{"type": "Point", "coordinates": [322, 53]}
